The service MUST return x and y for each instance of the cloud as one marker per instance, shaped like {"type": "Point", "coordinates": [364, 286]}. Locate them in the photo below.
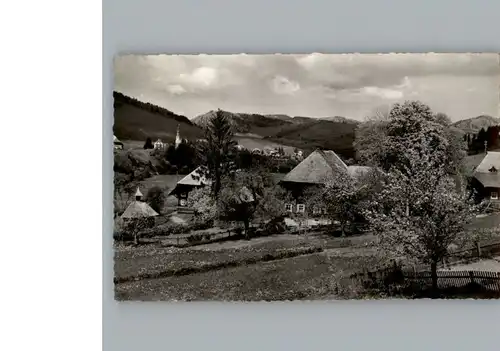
{"type": "Point", "coordinates": [176, 89]}
{"type": "Point", "coordinates": [313, 85]}
{"type": "Point", "coordinates": [383, 93]}
{"type": "Point", "coordinates": [284, 86]}
{"type": "Point", "coordinates": [202, 77]}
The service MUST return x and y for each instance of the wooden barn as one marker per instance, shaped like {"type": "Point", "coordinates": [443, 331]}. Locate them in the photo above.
{"type": "Point", "coordinates": [486, 179]}
{"type": "Point", "coordinates": [195, 179]}
{"type": "Point", "coordinates": [314, 171]}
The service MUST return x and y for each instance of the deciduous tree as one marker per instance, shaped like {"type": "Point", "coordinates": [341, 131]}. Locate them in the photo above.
{"type": "Point", "coordinates": [420, 211]}
{"type": "Point", "coordinates": [155, 197]}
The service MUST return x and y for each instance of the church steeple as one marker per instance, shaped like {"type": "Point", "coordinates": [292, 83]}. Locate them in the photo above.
{"type": "Point", "coordinates": [178, 137]}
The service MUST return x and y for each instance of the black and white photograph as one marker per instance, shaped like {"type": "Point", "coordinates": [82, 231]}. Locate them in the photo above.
{"type": "Point", "coordinates": [281, 177]}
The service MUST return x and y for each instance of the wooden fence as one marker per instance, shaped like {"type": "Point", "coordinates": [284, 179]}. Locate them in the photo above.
{"type": "Point", "coordinates": [422, 280]}
{"type": "Point", "coordinates": [454, 279]}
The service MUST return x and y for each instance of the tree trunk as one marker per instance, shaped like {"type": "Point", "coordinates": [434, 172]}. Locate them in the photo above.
{"type": "Point", "coordinates": [247, 226]}
{"type": "Point", "coordinates": [136, 238]}
{"type": "Point", "coordinates": [434, 276]}
{"type": "Point", "coordinates": [342, 228]}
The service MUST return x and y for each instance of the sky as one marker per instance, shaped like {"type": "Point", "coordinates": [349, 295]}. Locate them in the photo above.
{"type": "Point", "coordinates": [313, 85]}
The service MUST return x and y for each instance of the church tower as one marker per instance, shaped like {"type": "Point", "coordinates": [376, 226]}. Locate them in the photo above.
{"type": "Point", "coordinates": [178, 137]}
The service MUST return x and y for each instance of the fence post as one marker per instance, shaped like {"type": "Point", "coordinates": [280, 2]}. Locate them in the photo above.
{"type": "Point", "coordinates": [471, 275]}
{"type": "Point", "coordinates": [478, 247]}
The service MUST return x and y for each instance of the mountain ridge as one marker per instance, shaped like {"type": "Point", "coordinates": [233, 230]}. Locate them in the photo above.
{"type": "Point", "coordinates": [474, 124]}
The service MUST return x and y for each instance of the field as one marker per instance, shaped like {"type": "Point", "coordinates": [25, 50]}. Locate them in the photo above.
{"type": "Point", "coordinates": [490, 265]}
{"type": "Point", "coordinates": [279, 267]}
{"type": "Point", "coordinates": [307, 276]}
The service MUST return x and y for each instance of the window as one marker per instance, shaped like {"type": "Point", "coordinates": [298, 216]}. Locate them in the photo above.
{"type": "Point", "coordinates": [288, 207]}
{"type": "Point", "coordinates": [494, 195]}
{"type": "Point", "coordinates": [301, 208]}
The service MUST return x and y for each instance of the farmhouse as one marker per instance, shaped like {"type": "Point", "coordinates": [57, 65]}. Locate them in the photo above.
{"type": "Point", "coordinates": [195, 179]}
{"type": "Point", "coordinates": [138, 209]}
{"type": "Point", "coordinates": [117, 144]}
{"type": "Point", "coordinates": [486, 178]}
{"type": "Point", "coordinates": [313, 172]}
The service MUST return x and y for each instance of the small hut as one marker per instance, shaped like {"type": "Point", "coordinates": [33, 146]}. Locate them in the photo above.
{"type": "Point", "coordinates": [138, 210]}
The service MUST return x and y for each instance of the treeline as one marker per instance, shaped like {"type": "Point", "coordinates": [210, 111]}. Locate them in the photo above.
{"type": "Point", "coordinates": [121, 98]}
{"type": "Point", "coordinates": [476, 142]}
{"type": "Point", "coordinates": [187, 157]}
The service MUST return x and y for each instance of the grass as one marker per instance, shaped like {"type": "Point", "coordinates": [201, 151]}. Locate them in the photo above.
{"type": "Point", "coordinates": [136, 261]}
{"type": "Point", "coordinates": [490, 265]}
{"type": "Point", "coordinates": [305, 277]}
{"type": "Point", "coordinates": [234, 270]}
{"type": "Point", "coordinates": [310, 276]}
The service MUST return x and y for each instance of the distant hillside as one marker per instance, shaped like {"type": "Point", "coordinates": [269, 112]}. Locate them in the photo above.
{"type": "Point", "coordinates": [246, 123]}
{"type": "Point", "coordinates": [301, 119]}
{"type": "Point", "coordinates": [137, 120]}
{"type": "Point", "coordinates": [474, 125]}
{"type": "Point", "coordinates": [281, 117]}
{"type": "Point", "coordinates": [302, 132]}
{"type": "Point", "coordinates": [319, 134]}
{"type": "Point", "coordinates": [340, 119]}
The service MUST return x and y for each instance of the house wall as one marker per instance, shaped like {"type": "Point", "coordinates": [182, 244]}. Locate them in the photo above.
{"type": "Point", "coordinates": [484, 193]}
{"type": "Point", "coordinates": [299, 203]}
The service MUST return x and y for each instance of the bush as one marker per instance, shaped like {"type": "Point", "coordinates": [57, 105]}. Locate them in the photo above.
{"type": "Point", "coordinates": [166, 230]}
{"type": "Point", "coordinates": [202, 225]}
{"type": "Point", "coordinates": [156, 198]}
{"type": "Point", "coordinates": [194, 238]}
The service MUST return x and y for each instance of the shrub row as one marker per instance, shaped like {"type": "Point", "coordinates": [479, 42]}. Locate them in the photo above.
{"type": "Point", "coordinates": [215, 266]}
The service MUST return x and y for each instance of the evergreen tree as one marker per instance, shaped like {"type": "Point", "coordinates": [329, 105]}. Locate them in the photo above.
{"type": "Point", "coordinates": [148, 144]}
{"type": "Point", "coordinates": [219, 149]}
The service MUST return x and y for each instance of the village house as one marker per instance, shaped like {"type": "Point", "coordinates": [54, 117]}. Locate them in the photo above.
{"type": "Point", "coordinates": [159, 145]}
{"type": "Point", "coordinates": [117, 144]}
{"type": "Point", "coordinates": [486, 179]}
{"type": "Point", "coordinates": [313, 172]}
{"type": "Point", "coordinates": [139, 210]}
{"type": "Point", "coordinates": [194, 180]}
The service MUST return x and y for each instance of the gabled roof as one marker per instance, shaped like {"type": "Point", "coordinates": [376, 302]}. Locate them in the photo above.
{"type": "Point", "coordinates": [316, 168]}
{"type": "Point", "coordinates": [139, 209]}
{"type": "Point", "coordinates": [491, 180]}
{"type": "Point", "coordinates": [492, 159]}
{"type": "Point", "coordinates": [483, 172]}
{"type": "Point", "coordinates": [195, 178]}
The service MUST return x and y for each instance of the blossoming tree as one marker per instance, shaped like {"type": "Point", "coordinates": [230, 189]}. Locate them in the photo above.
{"type": "Point", "coordinates": [421, 211]}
